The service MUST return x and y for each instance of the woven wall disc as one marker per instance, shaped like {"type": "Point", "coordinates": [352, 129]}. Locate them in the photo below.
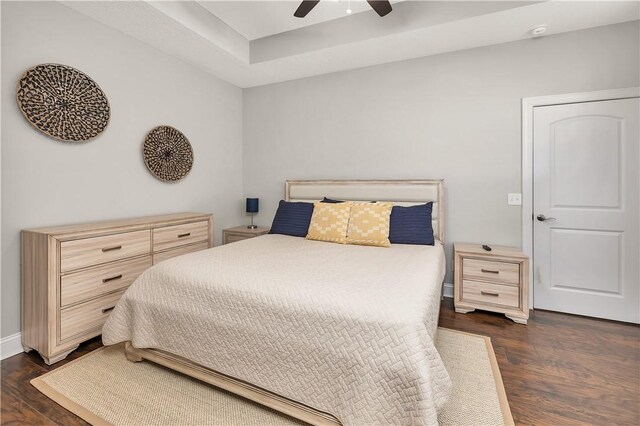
{"type": "Point", "coordinates": [167, 153]}
{"type": "Point", "coordinates": [62, 102]}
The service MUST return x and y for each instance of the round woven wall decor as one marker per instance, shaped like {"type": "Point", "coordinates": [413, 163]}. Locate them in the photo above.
{"type": "Point", "coordinates": [62, 102]}
{"type": "Point", "coordinates": [167, 153]}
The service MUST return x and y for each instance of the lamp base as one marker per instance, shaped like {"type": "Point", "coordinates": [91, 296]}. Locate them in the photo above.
{"type": "Point", "coordinates": [252, 226]}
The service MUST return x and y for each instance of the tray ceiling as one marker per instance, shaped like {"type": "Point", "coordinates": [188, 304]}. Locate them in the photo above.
{"type": "Point", "coordinates": [252, 43]}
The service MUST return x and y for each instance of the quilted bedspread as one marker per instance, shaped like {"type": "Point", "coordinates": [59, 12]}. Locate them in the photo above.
{"type": "Point", "coordinates": [345, 329]}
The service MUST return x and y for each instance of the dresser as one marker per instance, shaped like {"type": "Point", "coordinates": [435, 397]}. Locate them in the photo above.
{"type": "Point", "coordinates": [73, 275]}
{"type": "Point", "coordinates": [496, 280]}
{"type": "Point", "coordinates": [239, 233]}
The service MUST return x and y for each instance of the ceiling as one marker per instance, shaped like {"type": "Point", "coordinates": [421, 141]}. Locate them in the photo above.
{"type": "Point", "coordinates": [258, 19]}
{"type": "Point", "coordinates": [252, 43]}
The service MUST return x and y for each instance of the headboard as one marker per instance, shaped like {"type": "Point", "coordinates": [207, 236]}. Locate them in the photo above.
{"type": "Point", "coordinates": [398, 192]}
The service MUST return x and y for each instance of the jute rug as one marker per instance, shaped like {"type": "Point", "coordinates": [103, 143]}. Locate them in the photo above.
{"type": "Point", "coordinates": [104, 388]}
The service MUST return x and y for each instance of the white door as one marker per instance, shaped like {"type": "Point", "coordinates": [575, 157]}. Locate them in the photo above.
{"type": "Point", "coordinates": [587, 221]}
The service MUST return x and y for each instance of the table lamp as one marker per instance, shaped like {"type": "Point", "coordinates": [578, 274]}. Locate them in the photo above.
{"type": "Point", "coordinates": [252, 207]}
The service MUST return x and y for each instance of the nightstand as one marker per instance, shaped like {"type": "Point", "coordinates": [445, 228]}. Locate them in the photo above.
{"type": "Point", "coordinates": [496, 280]}
{"type": "Point", "coordinates": [239, 233]}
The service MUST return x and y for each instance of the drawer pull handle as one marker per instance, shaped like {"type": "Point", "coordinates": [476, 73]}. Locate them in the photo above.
{"type": "Point", "coordinates": [184, 235]}
{"type": "Point", "coordinates": [105, 310]}
{"type": "Point", "coordinates": [117, 277]}
{"type": "Point", "coordinates": [489, 293]}
{"type": "Point", "coordinates": [489, 271]}
{"type": "Point", "coordinates": [106, 249]}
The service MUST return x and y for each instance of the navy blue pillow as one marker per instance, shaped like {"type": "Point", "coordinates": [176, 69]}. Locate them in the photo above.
{"type": "Point", "coordinates": [292, 219]}
{"type": "Point", "coordinates": [411, 225]}
{"type": "Point", "coordinates": [330, 201]}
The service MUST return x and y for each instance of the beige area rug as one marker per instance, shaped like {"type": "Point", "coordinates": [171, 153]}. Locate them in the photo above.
{"type": "Point", "coordinates": [104, 388]}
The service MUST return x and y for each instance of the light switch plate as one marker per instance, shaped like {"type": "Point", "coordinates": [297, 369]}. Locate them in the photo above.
{"type": "Point", "coordinates": [514, 199]}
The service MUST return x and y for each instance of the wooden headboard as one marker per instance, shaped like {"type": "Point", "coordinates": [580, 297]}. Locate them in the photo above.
{"type": "Point", "coordinates": [398, 192]}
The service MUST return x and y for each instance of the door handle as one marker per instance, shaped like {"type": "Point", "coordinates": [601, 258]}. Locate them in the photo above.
{"type": "Point", "coordinates": [543, 218]}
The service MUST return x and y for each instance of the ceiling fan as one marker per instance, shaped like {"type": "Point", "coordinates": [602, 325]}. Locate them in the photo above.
{"type": "Point", "coordinates": [382, 7]}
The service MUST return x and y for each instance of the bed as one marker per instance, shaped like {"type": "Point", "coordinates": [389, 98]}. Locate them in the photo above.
{"type": "Point", "coordinates": [327, 333]}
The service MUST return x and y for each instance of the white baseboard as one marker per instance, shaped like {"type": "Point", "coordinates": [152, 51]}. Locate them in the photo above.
{"type": "Point", "coordinates": [11, 345]}
{"type": "Point", "coordinates": [448, 290]}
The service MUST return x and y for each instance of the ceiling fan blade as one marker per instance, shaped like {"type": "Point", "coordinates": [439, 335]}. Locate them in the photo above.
{"type": "Point", "coordinates": [382, 7]}
{"type": "Point", "coordinates": [305, 7]}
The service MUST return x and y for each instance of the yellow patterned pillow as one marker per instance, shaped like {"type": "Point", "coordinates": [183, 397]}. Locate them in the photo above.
{"type": "Point", "coordinates": [329, 222]}
{"type": "Point", "coordinates": [369, 224]}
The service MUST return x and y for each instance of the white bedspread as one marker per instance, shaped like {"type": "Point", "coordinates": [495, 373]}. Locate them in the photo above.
{"type": "Point", "coordinates": [345, 329]}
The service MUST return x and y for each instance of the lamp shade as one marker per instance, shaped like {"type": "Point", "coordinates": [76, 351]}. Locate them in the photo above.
{"type": "Point", "coordinates": [252, 205]}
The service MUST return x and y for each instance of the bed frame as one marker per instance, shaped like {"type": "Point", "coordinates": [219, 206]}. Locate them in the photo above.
{"type": "Point", "coordinates": [398, 192]}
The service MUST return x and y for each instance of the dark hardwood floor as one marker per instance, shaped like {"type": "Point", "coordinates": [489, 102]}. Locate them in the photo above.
{"type": "Point", "coordinates": [557, 370]}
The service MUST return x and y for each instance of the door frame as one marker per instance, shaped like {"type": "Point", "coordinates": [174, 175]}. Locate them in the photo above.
{"type": "Point", "coordinates": [528, 104]}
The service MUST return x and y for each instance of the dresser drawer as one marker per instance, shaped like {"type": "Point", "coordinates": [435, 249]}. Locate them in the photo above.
{"type": "Point", "coordinates": [97, 250]}
{"type": "Point", "coordinates": [494, 294]}
{"type": "Point", "coordinates": [168, 254]}
{"type": "Point", "coordinates": [492, 271]}
{"type": "Point", "coordinates": [179, 235]}
{"type": "Point", "coordinates": [89, 283]}
{"type": "Point", "coordinates": [87, 319]}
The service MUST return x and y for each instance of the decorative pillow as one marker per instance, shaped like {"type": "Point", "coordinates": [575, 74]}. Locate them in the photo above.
{"type": "Point", "coordinates": [330, 201]}
{"type": "Point", "coordinates": [369, 224]}
{"type": "Point", "coordinates": [412, 225]}
{"type": "Point", "coordinates": [329, 222]}
{"type": "Point", "coordinates": [292, 219]}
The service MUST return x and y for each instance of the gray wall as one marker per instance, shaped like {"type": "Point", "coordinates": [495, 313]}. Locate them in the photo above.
{"type": "Point", "coordinates": [46, 182]}
{"type": "Point", "coordinates": [454, 116]}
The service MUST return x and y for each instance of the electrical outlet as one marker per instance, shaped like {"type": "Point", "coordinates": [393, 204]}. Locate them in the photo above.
{"type": "Point", "coordinates": [514, 199]}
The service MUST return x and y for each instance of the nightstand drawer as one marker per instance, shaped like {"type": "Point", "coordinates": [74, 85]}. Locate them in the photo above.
{"type": "Point", "coordinates": [492, 271]}
{"type": "Point", "coordinates": [179, 235]}
{"type": "Point", "coordinates": [494, 294]}
{"type": "Point", "coordinates": [239, 233]}
{"type": "Point", "coordinates": [232, 238]}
